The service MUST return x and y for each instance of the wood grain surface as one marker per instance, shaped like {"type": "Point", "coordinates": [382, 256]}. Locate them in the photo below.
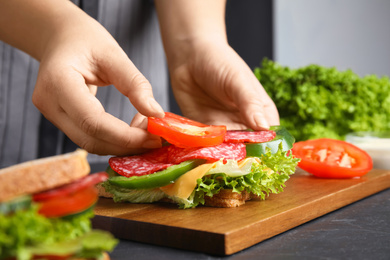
{"type": "Point", "coordinates": [224, 231]}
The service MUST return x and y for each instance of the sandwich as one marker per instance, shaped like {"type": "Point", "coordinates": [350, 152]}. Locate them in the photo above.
{"type": "Point", "coordinates": [45, 210]}
{"type": "Point", "coordinates": [203, 165]}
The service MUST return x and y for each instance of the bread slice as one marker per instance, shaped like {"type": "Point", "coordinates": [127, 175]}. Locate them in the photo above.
{"type": "Point", "coordinates": [42, 174]}
{"type": "Point", "coordinates": [102, 191]}
{"type": "Point", "coordinates": [227, 199]}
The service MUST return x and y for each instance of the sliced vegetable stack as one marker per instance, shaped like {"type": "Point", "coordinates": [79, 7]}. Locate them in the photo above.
{"type": "Point", "coordinates": [200, 161]}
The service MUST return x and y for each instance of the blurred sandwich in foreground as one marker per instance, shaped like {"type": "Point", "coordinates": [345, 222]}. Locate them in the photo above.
{"type": "Point", "coordinates": [45, 210]}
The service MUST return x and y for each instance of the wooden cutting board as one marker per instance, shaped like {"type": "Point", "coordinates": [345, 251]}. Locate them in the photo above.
{"type": "Point", "coordinates": [224, 231]}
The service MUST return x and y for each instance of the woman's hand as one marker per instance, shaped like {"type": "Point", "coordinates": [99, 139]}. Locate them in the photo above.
{"type": "Point", "coordinates": [211, 83]}
{"type": "Point", "coordinates": [77, 55]}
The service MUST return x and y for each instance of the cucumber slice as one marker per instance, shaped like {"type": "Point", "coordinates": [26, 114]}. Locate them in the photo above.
{"type": "Point", "coordinates": [86, 211]}
{"type": "Point", "coordinates": [282, 136]}
{"type": "Point", "coordinates": [20, 203]}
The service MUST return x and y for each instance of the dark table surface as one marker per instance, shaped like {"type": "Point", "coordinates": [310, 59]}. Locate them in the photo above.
{"type": "Point", "coordinates": [358, 231]}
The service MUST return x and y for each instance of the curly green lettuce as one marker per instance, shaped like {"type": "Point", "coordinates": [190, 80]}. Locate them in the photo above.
{"type": "Point", "coordinates": [316, 101]}
{"type": "Point", "coordinates": [120, 194]}
{"type": "Point", "coordinates": [266, 177]}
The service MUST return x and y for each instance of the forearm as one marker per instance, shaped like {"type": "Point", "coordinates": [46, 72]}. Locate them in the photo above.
{"type": "Point", "coordinates": [29, 25]}
{"type": "Point", "coordinates": [183, 23]}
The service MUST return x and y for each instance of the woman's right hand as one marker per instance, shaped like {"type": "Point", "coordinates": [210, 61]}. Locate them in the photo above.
{"type": "Point", "coordinates": [78, 55]}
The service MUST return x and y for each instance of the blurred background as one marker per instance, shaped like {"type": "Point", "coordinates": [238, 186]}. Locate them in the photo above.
{"type": "Point", "coordinates": [346, 91]}
{"type": "Point", "coordinates": [348, 34]}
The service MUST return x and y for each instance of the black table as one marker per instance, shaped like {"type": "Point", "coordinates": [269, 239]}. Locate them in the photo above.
{"type": "Point", "coordinates": [358, 231]}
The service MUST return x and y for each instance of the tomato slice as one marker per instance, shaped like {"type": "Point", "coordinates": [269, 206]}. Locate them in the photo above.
{"type": "Point", "coordinates": [70, 204]}
{"type": "Point", "coordinates": [87, 181]}
{"type": "Point", "coordinates": [183, 132]}
{"type": "Point", "coordinates": [330, 158]}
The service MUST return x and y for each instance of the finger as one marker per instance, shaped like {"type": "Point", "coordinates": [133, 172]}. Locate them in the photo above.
{"type": "Point", "coordinates": [92, 89]}
{"type": "Point", "coordinates": [131, 83]}
{"type": "Point", "coordinates": [92, 144]}
{"type": "Point", "coordinates": [49, 107]}
{"type": "Point", "coordinates": [270, 110]}
{"type": "Point", "coordinates": [271, 113]}
{"type": "Point", "coordinates": [139, 121]}
{"type": "Point", "coordinates": [90, 118]}
{"type": "Point", "coordinates": [249, 98]}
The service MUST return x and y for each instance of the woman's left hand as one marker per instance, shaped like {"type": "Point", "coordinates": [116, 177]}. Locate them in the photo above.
{"type": "Point", "coordinates": [213, 85]}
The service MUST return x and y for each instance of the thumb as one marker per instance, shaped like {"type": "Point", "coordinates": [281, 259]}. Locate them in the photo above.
{"type": "Point", "coordinates": [123, 74]}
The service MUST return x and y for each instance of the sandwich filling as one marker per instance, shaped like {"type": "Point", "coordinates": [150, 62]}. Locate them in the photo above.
{"type": "Point", "coordinates": [188, 175]}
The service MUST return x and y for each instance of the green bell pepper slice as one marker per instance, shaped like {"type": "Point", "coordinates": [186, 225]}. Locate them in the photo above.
{"type": "Point", "coordinates": [282, 136]}
{"type": "Point", "coordinates": [154, 180]}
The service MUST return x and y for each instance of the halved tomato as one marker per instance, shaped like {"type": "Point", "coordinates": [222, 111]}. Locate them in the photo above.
{"type": "Point", "coordinates": [183, 132]}
{"type": "Point", "coordinates": [87, 181]}
{"type": "Point", "coordinates": [330, 158]}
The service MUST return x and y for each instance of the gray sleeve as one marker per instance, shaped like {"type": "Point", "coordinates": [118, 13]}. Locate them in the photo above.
{"type": "Point", "coordinates": [19, 119]}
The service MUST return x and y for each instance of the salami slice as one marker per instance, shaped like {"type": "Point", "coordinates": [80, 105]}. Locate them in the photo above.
{"type": "Point", "coordinates": [242, 136]}
{"type": "Point", "coordinates": [236, 151]}
{"type": "Point", "coordinates": [138, 165]}
{"type": "Point", "coordinates": [160, 159]}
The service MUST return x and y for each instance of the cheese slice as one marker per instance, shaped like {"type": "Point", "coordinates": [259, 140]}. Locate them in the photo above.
{"type": "Point", "coordinates": [184, 186]}
{"type": "Point", "coordinates": [186, 183]}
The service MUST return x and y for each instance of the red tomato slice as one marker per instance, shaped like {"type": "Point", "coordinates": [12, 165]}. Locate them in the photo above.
{"type": "Point", "coordinates": [183, 132]}
{"type": "Point", "coordinates": [87, 181]}
{"type": "Point", "coordinates": [330, 158]}
{"type": "Point", "coordinates": [70, 204]}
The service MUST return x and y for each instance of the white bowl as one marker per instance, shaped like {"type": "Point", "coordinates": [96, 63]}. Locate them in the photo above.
{"type": "Point", "coordinates": [376, 144]}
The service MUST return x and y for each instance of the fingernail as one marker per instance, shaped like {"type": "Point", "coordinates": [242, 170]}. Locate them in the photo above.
{"type": "Point", "coordinates": [151, 144]}
{"type": "Point", "coordinates": [261, 121]}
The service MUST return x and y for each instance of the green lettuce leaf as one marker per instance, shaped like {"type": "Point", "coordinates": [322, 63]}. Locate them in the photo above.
{"type": "Point", "coordinates": [265, 178]}
{"type": "Point", "coordinates": [134, 196]}
{"type": "Point", "coordinates": [90, 245]}
{"type": "Point", "coordinates": [24, 230]}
